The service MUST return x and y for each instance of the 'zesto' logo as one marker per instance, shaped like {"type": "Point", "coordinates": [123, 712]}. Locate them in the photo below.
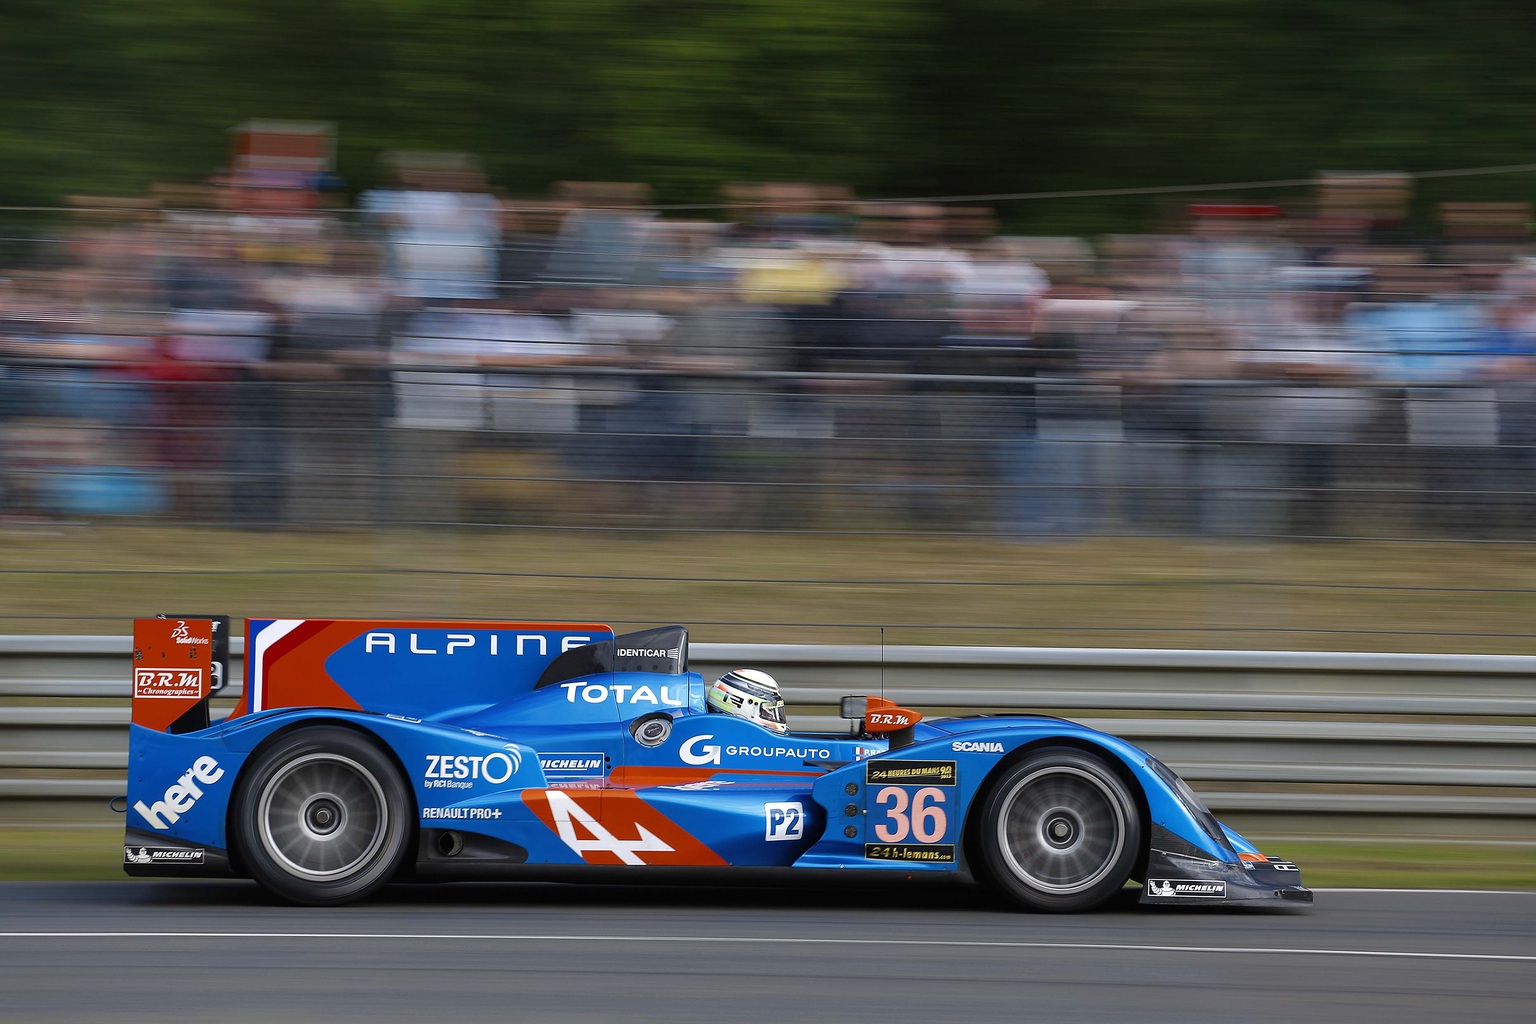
{"type": "Point", "coordinates": [462, 771]}
{"type": "Point", "coordinates": [182, 794]}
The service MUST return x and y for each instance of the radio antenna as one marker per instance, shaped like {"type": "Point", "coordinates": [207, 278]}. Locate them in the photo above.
{"type": "Point", "coordinates": [882, 663]}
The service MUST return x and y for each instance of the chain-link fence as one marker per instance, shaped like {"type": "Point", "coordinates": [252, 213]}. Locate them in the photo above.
{"type": "Point", "coordinates": [327, 444]}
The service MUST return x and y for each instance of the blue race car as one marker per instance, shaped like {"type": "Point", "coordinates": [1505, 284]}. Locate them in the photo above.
{"type": "Point", "coordinates": [362, 752]}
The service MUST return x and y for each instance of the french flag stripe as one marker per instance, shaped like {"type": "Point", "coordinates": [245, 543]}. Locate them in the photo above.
{"type": "Point", "coordinates": [269, 635]}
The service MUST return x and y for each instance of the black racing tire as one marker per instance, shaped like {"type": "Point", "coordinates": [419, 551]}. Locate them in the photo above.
{"type": "Point", "coordinates": [322, 817]}
{"type": "Point", "coordinates": [1060, 831]}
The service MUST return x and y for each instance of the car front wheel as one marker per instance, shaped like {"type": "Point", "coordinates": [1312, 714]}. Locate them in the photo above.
{"type": "Point", "coordinates": [1060, 831]}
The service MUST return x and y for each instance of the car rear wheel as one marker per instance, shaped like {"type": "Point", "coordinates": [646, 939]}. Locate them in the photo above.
{"type": "Point", "coordinates": [1060, 831]}
{"type": "Point", "coordinates": [323, 817]}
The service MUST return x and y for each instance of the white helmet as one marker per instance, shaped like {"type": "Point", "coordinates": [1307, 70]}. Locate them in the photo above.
{"type": "Point", "coordinates": [750, 694]}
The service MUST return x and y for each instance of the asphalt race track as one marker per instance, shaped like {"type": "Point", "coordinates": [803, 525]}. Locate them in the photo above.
{"type": "Point", "coordinates": [169, 951]}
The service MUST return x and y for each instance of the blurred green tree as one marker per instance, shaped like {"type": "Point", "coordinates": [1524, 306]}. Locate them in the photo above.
{"type": "Point", "coordinates": [892, 96]}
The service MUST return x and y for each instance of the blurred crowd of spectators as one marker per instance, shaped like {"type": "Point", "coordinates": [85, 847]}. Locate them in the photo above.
{"type": "Point", "coordinates": [247, 353]}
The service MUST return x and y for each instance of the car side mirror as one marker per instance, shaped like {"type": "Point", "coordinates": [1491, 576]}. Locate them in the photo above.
{"type": "Point", "coordinates": [883, 716]}
{"type": "Point", "coordinates": [877, 716]}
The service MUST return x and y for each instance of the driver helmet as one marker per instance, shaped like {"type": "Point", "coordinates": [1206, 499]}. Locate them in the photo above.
{"type": "Point", "coordinates": [750, 694]}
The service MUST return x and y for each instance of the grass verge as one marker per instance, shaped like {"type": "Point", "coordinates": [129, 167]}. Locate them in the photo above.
{"type": "Point", "coordinates": [1090, 592]}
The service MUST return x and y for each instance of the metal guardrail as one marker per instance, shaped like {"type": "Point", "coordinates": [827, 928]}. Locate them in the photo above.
{"type": "Point", "coordinates": [1256, 731]}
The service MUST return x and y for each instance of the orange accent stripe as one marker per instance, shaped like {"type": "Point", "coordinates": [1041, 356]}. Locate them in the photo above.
{"type": "Point", "coordinates": [628, 821]}
{"type": "Point", "coordinates": [636, 777]}
{"type": "Point", "coordinates": [296, 675]}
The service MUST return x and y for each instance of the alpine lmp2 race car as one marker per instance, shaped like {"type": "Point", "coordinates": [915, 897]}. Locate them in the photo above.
{"type": "Point", "coordinates": [362, 752]}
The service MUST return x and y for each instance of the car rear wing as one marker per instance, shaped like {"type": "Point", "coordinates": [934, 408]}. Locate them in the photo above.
{"type": "Point", "coordinates": [179, 662]}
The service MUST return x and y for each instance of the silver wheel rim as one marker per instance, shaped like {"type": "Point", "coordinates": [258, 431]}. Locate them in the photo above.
{"type": "Point", "coordinates": [322, 816]}
{"type": "Point", "coordinates": [1061, 829]}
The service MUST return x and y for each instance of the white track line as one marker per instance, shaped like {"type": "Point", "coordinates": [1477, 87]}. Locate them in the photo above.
{"type": "Point", "coordinates": [1388, 841]}
{"type": "Point", "coordinates": [1447, 892]}
{"type": "Point", "coordinates": [787, 940]}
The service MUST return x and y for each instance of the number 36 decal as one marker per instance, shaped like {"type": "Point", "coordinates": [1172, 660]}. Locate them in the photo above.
{"type": "Point", "coordinates": [924, 820]}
